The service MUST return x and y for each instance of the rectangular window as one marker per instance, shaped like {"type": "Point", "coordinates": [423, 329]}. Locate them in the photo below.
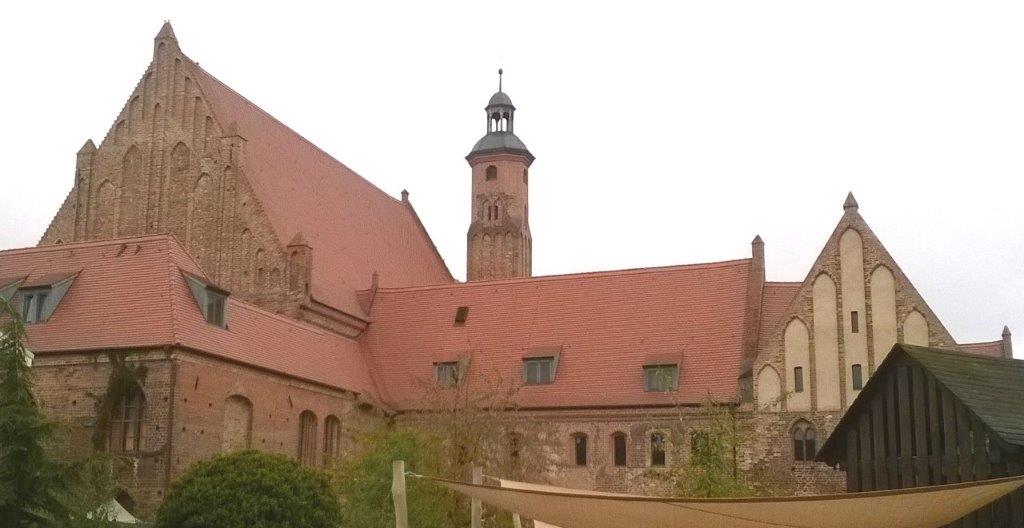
{"type": "Point", "coordinates": [854, 322]}
{"type": "Point", "coordinates": [661, 378]}
{"type": "Point", "coordinates": [658, 450]}
{"type": "Point", "coordinates": [857, 377]}
{"type": "Point", "coordinates": [32, 302]}
{"type": "Point", "coordinates": [461, 314]}
{"type": "Point", "coordinates": [447, 373]}
{"type": "Point", "coordinates": [580, 445]}
{"type": "Point", "coordinates": [539, 371]}
{"type": "Point", "coordinates": [215, 308]}
{"type": "Point", "coordinates": [798, 379]}
{"type": "Point", "coordinates": [619, 446]}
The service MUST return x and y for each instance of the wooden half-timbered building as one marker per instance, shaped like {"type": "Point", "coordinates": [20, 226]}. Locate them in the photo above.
{"type": "Point", "coordinates": [929, 417]}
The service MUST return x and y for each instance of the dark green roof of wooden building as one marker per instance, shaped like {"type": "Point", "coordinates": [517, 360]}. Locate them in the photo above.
{"type": "Point", "coordinates": [990, 388]}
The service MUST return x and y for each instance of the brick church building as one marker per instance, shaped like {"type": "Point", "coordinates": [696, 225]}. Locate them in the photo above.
{"type": "Point", "coordinates": [262, 294]}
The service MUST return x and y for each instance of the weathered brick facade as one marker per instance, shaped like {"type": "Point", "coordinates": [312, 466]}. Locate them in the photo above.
{"type": "Point", "coordinates": [170, 165]}
{"type": "Point", "coordinates": [185, 417]}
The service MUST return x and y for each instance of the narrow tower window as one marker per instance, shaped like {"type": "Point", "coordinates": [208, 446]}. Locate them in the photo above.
{"type": "Point", "coordinates": [798, 379]}
{"type": "Point", "coordinates": [857, 377]}
{"type": "Point", "coordinates": [492, 173]}
{"type": "Point", "coordinates": [854, 322]}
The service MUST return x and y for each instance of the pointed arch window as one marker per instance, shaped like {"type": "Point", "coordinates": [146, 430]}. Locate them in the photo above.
{"type": "Point", "coordinates": [804, 441]}
{"type": "Point", "coordinates": [237, 432]}
{"type": "Point", "coordinates": [307, 438]}
{"type": "Point", "coordinates": [332, 439]}
{"type": "Point", "coordinates": [124, 426]}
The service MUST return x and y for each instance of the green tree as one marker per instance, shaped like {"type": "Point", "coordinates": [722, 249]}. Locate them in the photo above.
{"type": "Point", "coordinates": [250, 489]}
{"type": "Point", "coordinates": [39, 487]}
{"type": "Point", "coordinates": [364, 482]}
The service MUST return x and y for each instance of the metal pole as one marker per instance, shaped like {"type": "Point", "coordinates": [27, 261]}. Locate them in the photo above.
{"type": "Point", "coordinates": [398, 494]}
{"type": "Point", "coordinates": [476, 507]}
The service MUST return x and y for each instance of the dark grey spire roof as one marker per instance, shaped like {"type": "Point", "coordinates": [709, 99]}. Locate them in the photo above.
{"type": "Point", "coordinates": [500, 98]}
{"type": "Point", "coordinates": [499, 141]}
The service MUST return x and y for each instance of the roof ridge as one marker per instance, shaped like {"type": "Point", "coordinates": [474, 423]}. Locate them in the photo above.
{"type": "Point", "coordinates": [283, 318]}
{"type": "Point", "coordinates": [581, 275]}
{"type": "Point", "coordinates": [84, 244]}
{"type": "Point", "coordinates": [981, 343]}
{"type": "Point", "coordinates": [290, 129]}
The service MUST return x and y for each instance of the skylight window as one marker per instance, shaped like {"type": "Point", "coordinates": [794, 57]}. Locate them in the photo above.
{"type": "Point", "coordinates": [661, 378]}
{"type": "Point", "coordinates": [447, 373]}
{"type": "Point", "coordinates": [539, 370]}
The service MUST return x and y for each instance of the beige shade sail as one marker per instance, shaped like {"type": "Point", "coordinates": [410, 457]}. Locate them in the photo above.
{"type": "Point", "coordinates": [926, 507]}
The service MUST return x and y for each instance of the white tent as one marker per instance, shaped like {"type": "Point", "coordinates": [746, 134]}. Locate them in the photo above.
{"type": "Point", "coordinates": [927, 507]}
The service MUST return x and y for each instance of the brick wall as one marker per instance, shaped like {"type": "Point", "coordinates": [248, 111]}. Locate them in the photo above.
{"type": "Point", "coordinates": [186, 399]}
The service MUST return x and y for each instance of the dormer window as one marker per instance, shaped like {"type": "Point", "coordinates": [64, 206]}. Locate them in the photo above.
{"type": "Point", "coordinates": [215, 301]}
{"type": "Point", "coordinates": [447, 373]}
{"type": "Point", "coordinates": [37, 299]}
{"type": "Point", "coordinates": [32, 303]}
{"type": "Point", "coordinates": [661, 378]}
{"type": "Point", "coordinates": [212, 301]}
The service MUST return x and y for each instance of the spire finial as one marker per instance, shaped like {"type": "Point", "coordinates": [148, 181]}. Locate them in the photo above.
{"type": "Point", "coordinates": [166, 31]}
{"type": "Point", "coordinates": [850, 203]}
{"type": "Point", "coordinates": [500, 72]}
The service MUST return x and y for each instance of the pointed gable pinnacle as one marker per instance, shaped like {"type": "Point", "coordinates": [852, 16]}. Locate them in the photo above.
{"type": "Point", "coordinates": [1006, 331]}
{"type": "Point", "coordinates": [757, 241]}
{"type": "Point", "coordinates": [88, 148]}
{"type": "Point", "coordinates": [850, 203]}
{"type": "Point", "coordinates": [298, 240]}
{"type": "Point", "coordinates": [166, 32]}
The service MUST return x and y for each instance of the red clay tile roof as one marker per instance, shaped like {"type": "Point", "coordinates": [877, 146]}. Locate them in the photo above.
{"type": "Point", "coordinates": [990, 349]}
{"type": "Point", "coordinates": [777, 296]}
{"type": "Point", "coordinates": [131, 293]}
{"type": "Point", "coordinates": [353, 227]}
{"type": "Point", "coordinates": [607, 324]}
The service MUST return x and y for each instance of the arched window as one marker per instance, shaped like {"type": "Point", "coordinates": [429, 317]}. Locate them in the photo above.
{"type": "Point", "coordinates": [332, 439]}
{"type": "Point", "coordinates": [804, 438]}
{"type": "Point", "coordinates": [657, 449]}
{"type": "Point", "coordinates": [579, 442]}
{"type": "Point", "coordinates": [124, 428]}
{"type": "Point", "coordinates": [619, 448]}
{"type": "Point", "coordinates": [307, 438]}
{"type": "Point", "coordinates": [237, 423]}
{"type": "Point", "coordinates": [492, 173]}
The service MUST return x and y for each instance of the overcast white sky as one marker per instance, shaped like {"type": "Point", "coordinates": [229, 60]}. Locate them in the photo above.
{"type": "Point", "coordinates": [665, 133]}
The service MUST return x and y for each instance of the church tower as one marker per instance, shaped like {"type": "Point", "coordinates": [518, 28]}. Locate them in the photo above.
{"type": "Point", "coordinates": [499, 245]}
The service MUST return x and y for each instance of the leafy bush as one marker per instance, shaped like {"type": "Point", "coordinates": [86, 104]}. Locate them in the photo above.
{"type": "Point", "coordinates": [249, 489]}
{"type": "Point", "coordinates": [365, 483]}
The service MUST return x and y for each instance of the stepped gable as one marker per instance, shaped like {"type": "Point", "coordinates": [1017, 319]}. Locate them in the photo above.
{"type": "Point", "coordinates": [604, 327]}
{"type": "Point", "coordinates": [353, 227]}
